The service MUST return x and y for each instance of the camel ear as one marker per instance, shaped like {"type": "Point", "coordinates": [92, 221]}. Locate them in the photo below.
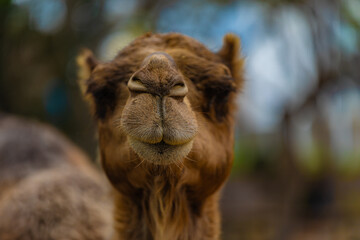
{"type": "Point", "coordinates": [99, 94]}
{"type": "Point", "coordinates": [230, 54]}
{"type": "Point", "coordinates": [86, 63]}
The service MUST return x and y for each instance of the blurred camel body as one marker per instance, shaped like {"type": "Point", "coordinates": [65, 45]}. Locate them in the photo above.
{"type": "Point", "coordinates": [48, 189]}
{"type": "Point", "coordinates": [165, 113]}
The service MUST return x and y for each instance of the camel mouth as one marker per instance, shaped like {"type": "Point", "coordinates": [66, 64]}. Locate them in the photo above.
{"type": "Point", "coordinates": [160, 153]}
{"type": "Point", "coordinates": [161, 147]}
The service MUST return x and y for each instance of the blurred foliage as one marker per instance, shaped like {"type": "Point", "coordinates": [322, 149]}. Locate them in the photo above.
{"type": "Point", "coordinates": [297, 153]}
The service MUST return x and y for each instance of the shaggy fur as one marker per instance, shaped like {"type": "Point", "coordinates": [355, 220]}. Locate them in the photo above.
{"type": "Point", "coordinates": [48, 190]}
{"type": "Point", "coordinates": [165, 189]}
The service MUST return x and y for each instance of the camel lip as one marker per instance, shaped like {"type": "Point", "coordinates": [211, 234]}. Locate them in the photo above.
{"type": "Point", "coordinates": [163, 143]}
{"type": "Point", "coordinates": [160, 153]}
{"type": "Point", "coordinates": [161, 147]}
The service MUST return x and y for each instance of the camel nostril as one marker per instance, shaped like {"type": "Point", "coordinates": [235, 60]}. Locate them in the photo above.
{"type": "Point", "coordinates": [136, 85]}
{"type": "Point", "coordinates": [180, 84]}
{"type": "Point", "coordinates": [136, 79]}
{"type": "Point", "coordinates": [178, 90]}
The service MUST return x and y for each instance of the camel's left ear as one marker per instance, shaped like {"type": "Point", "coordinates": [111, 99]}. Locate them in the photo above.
{"type": "Point", "coordinates": [86, 63]}
{"type": "Point", "coordinates": [230, 54]}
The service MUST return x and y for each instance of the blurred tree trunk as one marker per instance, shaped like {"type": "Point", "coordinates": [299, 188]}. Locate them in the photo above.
{"type": "Point", "coordinates": [5, 7]}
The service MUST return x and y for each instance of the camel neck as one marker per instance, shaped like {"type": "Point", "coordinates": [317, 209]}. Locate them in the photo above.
{"type": "Point", "coordinates": [163, 211]}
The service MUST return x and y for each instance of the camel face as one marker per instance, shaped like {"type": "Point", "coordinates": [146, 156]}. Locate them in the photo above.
{"type": "Point", "coordinates": [157, 118]}
{"type": "Point", "coordinates": [164, 99]}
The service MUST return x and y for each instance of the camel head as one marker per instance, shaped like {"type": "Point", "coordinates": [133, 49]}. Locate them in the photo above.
{"type": "Point", "coordinates": [164, 100]}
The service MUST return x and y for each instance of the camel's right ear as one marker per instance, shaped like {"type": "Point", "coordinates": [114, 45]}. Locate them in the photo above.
{"type": "Point", "coordinates": [86, 63]}
{"type": "Point", "coordinates": [230, 54]}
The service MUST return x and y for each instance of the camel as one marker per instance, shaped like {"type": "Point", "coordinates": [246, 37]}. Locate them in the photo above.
{"type": "Point", "coordinates": [164, 108]}
{"type": "Point", "coordinates": [48, 189]}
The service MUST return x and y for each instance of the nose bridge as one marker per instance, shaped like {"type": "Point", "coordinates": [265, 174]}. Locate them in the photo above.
{"type": "Point", "coordinates": [159, 60]}
{"type": "Point", "coordinates": [162, 71]}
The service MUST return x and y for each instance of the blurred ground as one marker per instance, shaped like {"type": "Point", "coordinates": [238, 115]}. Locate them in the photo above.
{"type": "Point", "coordinates": [296, 173]}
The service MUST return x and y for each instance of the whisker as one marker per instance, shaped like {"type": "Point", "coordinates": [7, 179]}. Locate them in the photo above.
{"type": "Point", "coordinates": [177, 165]}
{"type": "Point", "coordinates": [190, 159]}
{"type": "Point", "coordinates": [139, 163]}
{"type": "Point", "coordinates": [182, 164]}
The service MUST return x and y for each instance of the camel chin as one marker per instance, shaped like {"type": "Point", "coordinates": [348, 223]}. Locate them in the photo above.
{"type": "Point", "coordinates": [160, 153]}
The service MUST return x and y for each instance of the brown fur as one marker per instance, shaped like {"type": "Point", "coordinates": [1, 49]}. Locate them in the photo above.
{"type": "Point", "coordinates": [48, 190]}
{"type": "Point", "coordinates": [166, 154]}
